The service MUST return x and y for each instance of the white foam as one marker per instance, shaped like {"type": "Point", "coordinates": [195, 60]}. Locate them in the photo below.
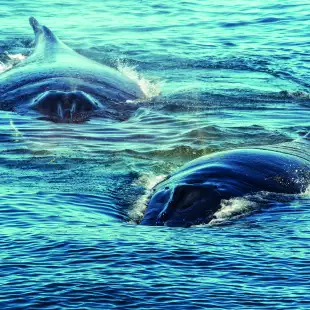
{"type": "Point", "coordinates": [17, 133]}
{"type": "Point", "coordinates": [13, 59]}
{"type": "Point", "coordinates": [148, 181]}
{"type": "Point", "coordinates": [232, 209]}
{"type": "Point", "coordinates": [307, 192]}
{"type": "Point", "coordinates": [17, 57]}
{"type": "Point", "coordinates": [150, 89]}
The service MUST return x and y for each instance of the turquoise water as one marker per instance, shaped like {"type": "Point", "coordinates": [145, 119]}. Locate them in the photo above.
{"type": "Point", "coordinates": [218, 75]}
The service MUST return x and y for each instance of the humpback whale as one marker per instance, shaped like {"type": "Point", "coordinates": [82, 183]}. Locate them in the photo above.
{"type": "Point", "coordinates": [64, 85]}
{"type": "Point", "coordinates": [192, 194]}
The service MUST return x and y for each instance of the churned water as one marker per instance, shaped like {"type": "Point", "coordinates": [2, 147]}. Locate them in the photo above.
{"type": "Point", "coordinates": [218, 75]}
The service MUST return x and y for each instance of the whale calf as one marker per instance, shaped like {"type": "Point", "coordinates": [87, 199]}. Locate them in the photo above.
{"type": "Point", "coordinates": [64, 85]}
{"type": "Point", "coordinates": [192, 194]}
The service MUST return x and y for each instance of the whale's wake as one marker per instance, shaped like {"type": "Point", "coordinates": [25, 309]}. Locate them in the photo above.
{"type": "Point", "coordinates": [148, 181]}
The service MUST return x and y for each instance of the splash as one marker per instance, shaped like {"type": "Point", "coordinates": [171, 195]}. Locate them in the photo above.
{"type": "Point", "coordinates": [5, 67]}
{"type": "Point", "coordinates": [17, 57]}
{"type": "Point", "coordinates": [148, 181]}
{"type": "Point", "coordinates": [307, 192]}
{"type": "Point", "coordinates": [10, 61]}
{"type": "Point", "coordinates": [233, 209]}
{"type": "Point", "coordinates": [150, 89]}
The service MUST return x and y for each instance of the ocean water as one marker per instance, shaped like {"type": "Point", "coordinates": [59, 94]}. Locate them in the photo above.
{"type": "Point", "coordinates": [218, 75]}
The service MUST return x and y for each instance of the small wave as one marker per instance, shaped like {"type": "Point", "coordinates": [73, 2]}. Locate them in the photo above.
{"type": "Point", "coordinates": [269, 20]}
{"type": "Point", "coordinates": [148, 181]}
{"type": "Point", "coordinates": [265, 65]}
{"type": "Point", "coordinates": [235, 24]}
{"type": "Point", "coordinates": [150, 89]}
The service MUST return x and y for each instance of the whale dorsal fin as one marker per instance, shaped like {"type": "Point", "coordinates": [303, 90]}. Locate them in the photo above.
{"type": "Point", "coordinates": [42, 32]}
{"type": "Point", "coordinates": [46, 43]}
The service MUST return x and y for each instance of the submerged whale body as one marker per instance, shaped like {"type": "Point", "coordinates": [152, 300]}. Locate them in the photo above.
{"type": "Point", "coordinates": [64, 85]}
{"type": "Point", "coordinates": [192, 195]}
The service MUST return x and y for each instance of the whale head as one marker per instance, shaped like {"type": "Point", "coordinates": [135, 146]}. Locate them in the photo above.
{"type": "Point", "coordinates": [64, 106]}
{"type": "Point", "coordinates": [183, 205]}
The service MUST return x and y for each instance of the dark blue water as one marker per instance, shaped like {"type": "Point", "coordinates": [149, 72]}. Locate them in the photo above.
{"type": "Point", "coordinates": [218, 75]}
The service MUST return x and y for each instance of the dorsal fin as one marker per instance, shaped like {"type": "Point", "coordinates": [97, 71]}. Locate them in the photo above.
{"type": "Point", "coordinates": [42, 32]}
{"type": "Point", "coordinates": [45, 41]}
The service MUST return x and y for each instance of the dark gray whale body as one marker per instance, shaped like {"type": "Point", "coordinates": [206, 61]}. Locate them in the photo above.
{"type": "Point", "coordinates": [63, 85]}
{"type": "Point", "coordinates": [194, 193]}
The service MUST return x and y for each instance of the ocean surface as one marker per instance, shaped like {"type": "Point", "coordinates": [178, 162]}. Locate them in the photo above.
{"type": "Point", "coordinates": [218, 75]}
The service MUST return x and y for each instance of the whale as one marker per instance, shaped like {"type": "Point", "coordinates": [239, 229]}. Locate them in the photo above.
{"type": "Point", "coordinates": [192, 194]}
{"type": "Point", "coordinates": [62, 85]}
